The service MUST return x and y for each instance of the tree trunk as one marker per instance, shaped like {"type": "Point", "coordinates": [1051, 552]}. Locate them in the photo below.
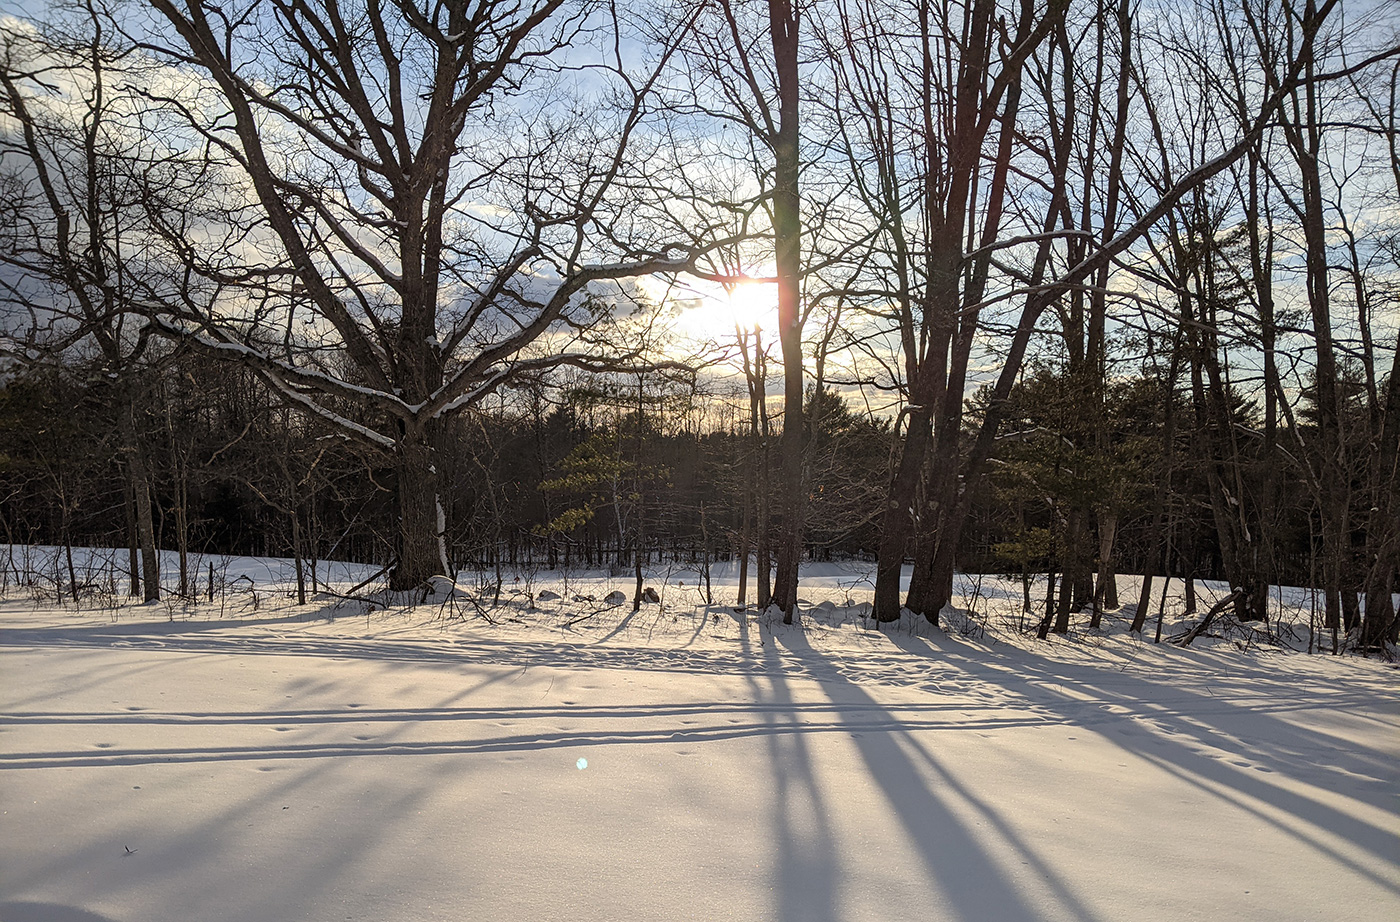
{"type": "Point", "coordinates": [764, 554]}
{"type": "Point", "coordinates": [931, 584]}
{"type": "Point", "coordinates": [787, 241]}
{"type": "Point", "coordinates": [133, 558]}
{"type": "Point", "coordinates": [1107, 590]}
{"type": "Point", "coordinates": [1303, 133]}
{"type": "Point", "coordinates": [1351, 609]}
{"type": "Point", "coordinates": [1083, 595]}
{"type": "Point", "coordinates": [705, 557]}
{"type": "Point", "coordinates": [745, 542]}
{"type": "Point", "coordinates": [1383, 532]}
{"type": "Point", "coordinates": [1159, 558]}
{"type": "Point", "coordinates": [182, 531]}
{"type": "Point", "coordinates": [297, 558]}
{"type": "Point", "coordinates": [1156, 565]}
{"type": "Point", "coordinates": [1162, 605]}
{"type": "Point", "coordinates": [763, 561]}
{"type": "Point", "coordinates": [897, 523]}
{"type": "Point", "coordinates": [1077, 569]}
{"type": "Point", "coordinates": [1043, 630]}
{"type": "Point", "coordinates": [637, 576]}
{"type": "Point", "coordinates": [756, 492]}
{"type": "Point", "coordinates": [422, 549]}
{"type": "Point", "coordinates": [1144, 599]}
{"type": "Point", "coordinates": [1063, 605]}
{"type": "Point", "coordinates": [68, 552]}
{"type": "Point", "coordinates": [1261, 250]}
{"type": "Point", "coordinates": [139, 477]}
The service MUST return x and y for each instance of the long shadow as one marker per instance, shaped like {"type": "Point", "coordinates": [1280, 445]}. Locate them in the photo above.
{"type": "Point", "coordinates": [446, 651]}
{"type": "Point", "coordinates": [95, 634]}
{"type": "Point", "coordinates": [88, 676]}
{"type": "Point", "coordinates": [952, 855]}
{"type": "Point", "coordinates": [1034, 682]}
{"type": "Point", "coordinates": [783, 725]}
{"type": "Point", "coordinates": [1094, 695]}
{"type": "Point", "coordinates": [192, 850]}
{"type": "Point", "coordinates": [1210, 717]}
{"type": "Point", "coordinates": [46, 912]}
{"type": "Point", "coordinates": [1185, 720]}
{"type": "Point", "coordinates": [368, 715]}
{"type": "Point", "coordinates": [620, 627]}
{"type": "Point", "coordinates": [809, 867]}
{"type": "Point", "coordinates": [1201, 726]}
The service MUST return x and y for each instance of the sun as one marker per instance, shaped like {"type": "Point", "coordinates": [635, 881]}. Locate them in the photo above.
{"type": "Point", "coordinates": [746, 305]}
{"type": "Point", "coordinates": [752, 304]}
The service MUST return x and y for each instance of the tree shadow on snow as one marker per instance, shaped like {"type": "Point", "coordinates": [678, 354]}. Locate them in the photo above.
{"type": "Point", "coordinates": [1226, 739]}
{"type": "Point", "coordinates": [1173, 713]}
{"type": "Point", "coordinates": [953, 856]}
{"type": "Point", "coordinates": [47, 912]}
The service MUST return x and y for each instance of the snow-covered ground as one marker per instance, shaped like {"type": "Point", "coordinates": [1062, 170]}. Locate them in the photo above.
{"type": "Point", "coordinates": [252, 759]}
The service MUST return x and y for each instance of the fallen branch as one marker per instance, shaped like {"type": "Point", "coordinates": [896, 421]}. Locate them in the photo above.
{"type": "Point", "coordinates": [571, 623]}
{"type": "Point", "coordinates": [1216, 609]}
{"type": "Point", "coordinates": [378, 573]}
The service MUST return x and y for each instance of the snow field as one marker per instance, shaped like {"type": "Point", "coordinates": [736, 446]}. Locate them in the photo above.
{"type": "Point", "coordinates": [405, 762]}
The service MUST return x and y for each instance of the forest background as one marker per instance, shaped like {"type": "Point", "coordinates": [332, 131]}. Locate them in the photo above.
{"type": "Point", "coordinates": [1073, 289]}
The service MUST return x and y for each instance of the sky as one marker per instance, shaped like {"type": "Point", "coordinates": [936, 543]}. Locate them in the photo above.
{"type": "Point", "coordinates": [26, 9]}
{"type": "Point", "coordinates": [713, 313]}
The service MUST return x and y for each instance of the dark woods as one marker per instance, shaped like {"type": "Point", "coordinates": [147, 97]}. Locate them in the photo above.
{"type": "Point", "coordinates": [589, 475]}
{"type": "Point", "coordinates": [552, 477]}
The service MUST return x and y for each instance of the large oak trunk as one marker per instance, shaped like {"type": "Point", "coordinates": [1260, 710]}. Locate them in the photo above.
{"type": "Point", "coordinates": [931, 585]}
{"type": "Point", "coordinates": [422, 548]}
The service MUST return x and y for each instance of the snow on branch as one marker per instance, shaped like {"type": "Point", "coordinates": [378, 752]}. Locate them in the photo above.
{"type": "Point", "coordinates": [288, 378]}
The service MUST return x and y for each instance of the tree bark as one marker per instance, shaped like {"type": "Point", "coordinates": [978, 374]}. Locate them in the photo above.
{"type": "Point", "coordinates": [422, 548]}
{"type": "Point", "coordinates": [1074, 566]}
{"type": "Point", "coordinates": [787, 242]}
{"type": "Point", "coordinates": [297, 556]}
{"type": "Point", "coordinates": [138, 475]}
{"type": "Point", "coordinates": [897, 523]}
{"type": "Point", "coordinates": [133, 543]}
{"type": "Point", "coordinates": [1106, 592]}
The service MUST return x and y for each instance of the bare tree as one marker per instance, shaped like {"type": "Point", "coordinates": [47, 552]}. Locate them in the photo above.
{"type": "Point", "coordinates": [745, 57]}
{"type": "Point", "coordinates": [1325, 145]}
{"type": "Point", "coordinates": [931, 87]}
{"type": "Point", "coordinates": [1042, 291]}
{"type": "Point", "coordinates": [434, 233]}
{"type": "Point", "coordinates": [78, 179]}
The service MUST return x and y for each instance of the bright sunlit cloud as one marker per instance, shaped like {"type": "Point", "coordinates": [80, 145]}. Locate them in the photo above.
{"type": "Point", "coordinates": [713, 315]}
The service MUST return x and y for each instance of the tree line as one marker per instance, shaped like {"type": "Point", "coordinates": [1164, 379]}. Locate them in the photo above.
{"type": "Point", "coordinates": [1063, 288]}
